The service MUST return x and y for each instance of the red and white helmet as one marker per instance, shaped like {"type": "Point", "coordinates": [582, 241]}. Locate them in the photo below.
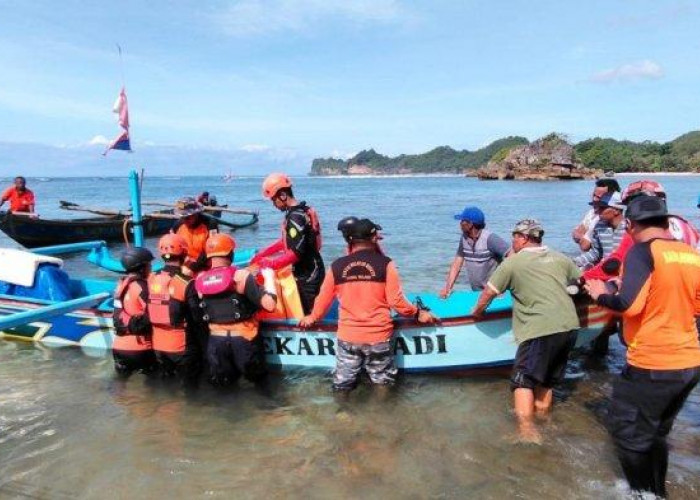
{"type": "Point", "coordinates": [651, 188]}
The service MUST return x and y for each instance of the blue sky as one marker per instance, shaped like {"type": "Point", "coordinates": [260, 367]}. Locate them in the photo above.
{"type": "Point", "coordinates": [332, 77]}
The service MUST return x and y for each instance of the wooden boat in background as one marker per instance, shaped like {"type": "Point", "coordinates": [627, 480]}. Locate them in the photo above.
{"type": "Point", "coordinates": [38, 232]}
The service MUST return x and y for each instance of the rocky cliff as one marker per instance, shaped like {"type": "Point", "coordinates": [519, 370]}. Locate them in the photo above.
{"type": "Point", "coordinates": [549, 158]}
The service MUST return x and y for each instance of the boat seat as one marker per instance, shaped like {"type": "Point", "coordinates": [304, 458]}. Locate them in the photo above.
{"type": "Point", "coordinates": [18, 267]}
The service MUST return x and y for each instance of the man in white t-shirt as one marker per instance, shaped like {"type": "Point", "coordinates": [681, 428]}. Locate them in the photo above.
{"type": "Point", "coordinates": [583, 233]}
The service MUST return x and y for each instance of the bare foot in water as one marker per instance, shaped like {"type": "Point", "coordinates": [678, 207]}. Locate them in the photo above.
{"type": "Point", "coordinates": [528, 433]}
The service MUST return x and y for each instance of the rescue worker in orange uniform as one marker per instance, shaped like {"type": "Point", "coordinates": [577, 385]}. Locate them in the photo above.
{"type": "Point", "coordinates": [300, 242]}
{"type": "Point", "coordinates": [21, 199]}
{"type": "Point", "coordinates": [368, 287]}
{"type": "Point", "coordinates": [132, 348]}
{"type": "Point", "coordinates": [179, 331]}
{"type": "Point", "coordinates": [230, 298]}
{"type": "Point", "coordinates": [658, 300]}
{"type": "Point", "coordinates": [194, 229]}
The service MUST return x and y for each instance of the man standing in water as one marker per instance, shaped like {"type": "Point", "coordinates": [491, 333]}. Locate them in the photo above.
{"type": "Point", "coordinates": [544, 320]}
{"type": "Point", "coordinates": [368, 287]}
{"type": "Point", "coordinates": [133, 348]}
{"type": "Point", "coordinates": [479, 248]}
{"type": "Point", "coordinates": [230, 298]}
{"type": "Point", "coordinates": [300, 243]}
{"type": "Point", "coordinates": [21, 199]}
{"type": "Point", "coordinates": [658, 301]}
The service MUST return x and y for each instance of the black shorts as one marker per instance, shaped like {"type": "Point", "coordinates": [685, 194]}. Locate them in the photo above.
{"type": "Point", "coordinates": [542, 361]}
{"type": "Point", "coordinates": [645, 404]}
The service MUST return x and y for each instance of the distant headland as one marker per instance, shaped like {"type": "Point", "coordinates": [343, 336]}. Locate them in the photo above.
{"type": "Point", "coordinates": [550, 157]}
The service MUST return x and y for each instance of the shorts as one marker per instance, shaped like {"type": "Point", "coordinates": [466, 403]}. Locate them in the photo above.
{"type": "Point", "coordinates": [376, 359]}
{"type": "Point", "coordinates": [232, 356]}
{"type": "Point", "coordinates": [127, 362]}
{"type": "Point", "coordinates": [541, 361]}
{"type": "Point", "coordinates": [645, 404]}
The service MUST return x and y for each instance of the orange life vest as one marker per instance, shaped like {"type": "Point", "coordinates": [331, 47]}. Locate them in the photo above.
{"type": "Point", "coordinates": [166, 302]}
{"type": "Point", "coordinates": [127, 304]}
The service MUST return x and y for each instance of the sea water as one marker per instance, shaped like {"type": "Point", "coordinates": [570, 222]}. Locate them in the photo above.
{"type": "Point", "coordinates": [70, 429]}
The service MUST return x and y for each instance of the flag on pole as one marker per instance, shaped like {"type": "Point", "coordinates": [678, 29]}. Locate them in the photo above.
{"type": "Point", "coordinates": [121, 109]}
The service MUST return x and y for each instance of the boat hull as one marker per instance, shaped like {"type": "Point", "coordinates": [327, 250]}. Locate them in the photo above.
{"type": "Point", "coordinates": [457, 344]}
{"type": "Point", "coordinates": [33, 233]}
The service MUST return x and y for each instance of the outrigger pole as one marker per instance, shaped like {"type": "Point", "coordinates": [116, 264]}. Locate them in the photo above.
{"type": "Point", "coordinates": [135, 191]}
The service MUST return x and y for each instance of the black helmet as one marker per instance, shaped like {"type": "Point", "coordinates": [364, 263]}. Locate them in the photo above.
{"type": "Point", "coordinates": [345, 225]}
{"type": "Point", "coordinates": [134, 258]}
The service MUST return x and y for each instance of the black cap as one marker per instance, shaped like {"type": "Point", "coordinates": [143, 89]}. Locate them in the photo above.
{"type": "Point", "coordinates": [135, 258]}
{"type": "Point", "coordinates": [363, 229]}
{"type": "Point", "coordinates": [346, 223]}
{"type": "Point", "coordinates": [646, 207]}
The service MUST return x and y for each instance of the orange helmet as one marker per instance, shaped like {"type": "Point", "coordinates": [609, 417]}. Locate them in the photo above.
{"type": "Point", "coordinates": [219, 245]}
{"type": "Point", "coordinates": [172, 245]}
{"type": "Point", "coordinates": [273, 183]}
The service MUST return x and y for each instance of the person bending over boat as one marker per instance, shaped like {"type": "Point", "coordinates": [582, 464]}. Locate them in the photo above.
{"type": "Point", "coordinates": [479, 250]}
{"type": "Point", "coordinates": [608, 231]}
{"type": "Point", "coordinates": [179, 331]}
{"type": "Point", "coordinates": [545, 322]}
{"type": "Point", "coordinates": [368, 287]}
{"type": "Point", "coordinates": [678, 228]}
{"type": "Point", "coordinates": [194, 228]}
{"type": "Point", "coordinates": [300, 243]}
{"type": "Point", "coordinates": [658, 300]}
{"type": "Point", "coordinates": [583, 233]}
{"type": "Point", "coordinates": [230, 298]}
{"type": "Point", "coordinates": [132, 348]}
{"type": "Point", "coordinates": [21, 199]}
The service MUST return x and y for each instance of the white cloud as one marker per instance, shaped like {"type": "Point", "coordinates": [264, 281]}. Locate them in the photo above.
{"type": "Point", "coordinates": [258, 17]}
{"type": "Point", "coordinates": [99, 140]}
{"type": "Point", "coordinates": [644, 70]}
{"type": "Point", "coordinates": [254, 148]}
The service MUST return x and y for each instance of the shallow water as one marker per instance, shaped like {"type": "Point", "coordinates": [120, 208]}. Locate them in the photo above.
{"type": "Point", "coordinates": [69, 429]}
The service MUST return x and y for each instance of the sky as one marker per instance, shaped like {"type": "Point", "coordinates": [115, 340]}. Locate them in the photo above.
{"type": "Point", "coordinates": [297, 79]}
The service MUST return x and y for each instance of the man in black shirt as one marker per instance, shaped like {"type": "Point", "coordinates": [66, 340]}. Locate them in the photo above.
{"type": "Point", "coordinates": [300, 243]}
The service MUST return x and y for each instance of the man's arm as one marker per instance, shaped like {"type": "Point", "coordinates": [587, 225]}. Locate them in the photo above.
{"type": "Point", "coordinates": [394, 293]}
{"type": "Point", "coordinates": [591, 257]}
{"type": "Point", "coordinates": [323, 301]}
{"type": "Point", "coordinates": [485, 298]}
{"type": "Point", "coordinates": [452, 276]}
{"type": "Point", "coordinates": [497, 246]}
{"type": "Point", "coordinates": [632, 296]}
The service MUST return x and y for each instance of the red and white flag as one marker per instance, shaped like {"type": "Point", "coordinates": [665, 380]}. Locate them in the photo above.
{"type": "Point", "coordinates": [121, 108]}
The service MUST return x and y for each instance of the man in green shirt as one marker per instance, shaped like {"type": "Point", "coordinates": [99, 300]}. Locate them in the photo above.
{"type": "Point", "coordinates": [544, 319]}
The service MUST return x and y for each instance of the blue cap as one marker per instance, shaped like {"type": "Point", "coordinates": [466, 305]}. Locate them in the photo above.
{"type": "Point", "coordinates": [473, 215]}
